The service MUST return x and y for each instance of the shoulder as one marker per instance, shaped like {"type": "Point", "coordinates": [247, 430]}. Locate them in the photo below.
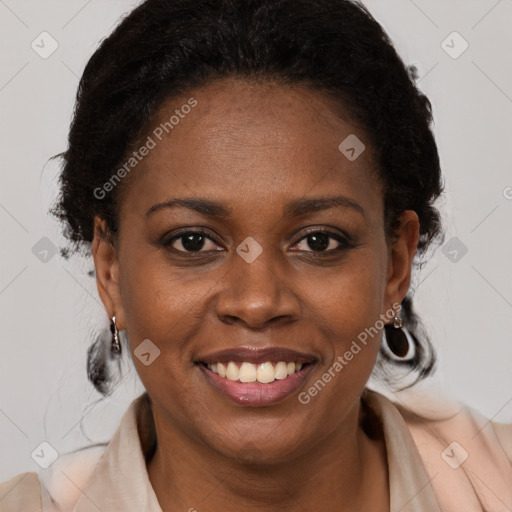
{"type": "Point", "coordinates": [69, 474]}
{"type": "Point", "coordinates": [442, 424]}
{"type": "Point", "coordinates": [21, 493]}
{"type": "Point", "coordinates": [57, 488]}
{"type": "Point", "coordinates": [467, 456]}
{"type": "Point", "coordinates": [448, 433]}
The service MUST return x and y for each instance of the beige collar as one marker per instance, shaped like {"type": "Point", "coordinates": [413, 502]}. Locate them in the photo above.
{"type": "Point", "coordinates": [120, 480]}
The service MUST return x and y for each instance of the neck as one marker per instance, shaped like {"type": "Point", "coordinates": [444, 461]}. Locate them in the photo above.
{"type": "Point", "coordinates": [335, 474]}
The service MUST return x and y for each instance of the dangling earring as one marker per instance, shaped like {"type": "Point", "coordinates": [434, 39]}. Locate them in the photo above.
{"type": "Point", "coordinates": [115, 345]}
{"type": "Point", "coordinates": [397, 342]}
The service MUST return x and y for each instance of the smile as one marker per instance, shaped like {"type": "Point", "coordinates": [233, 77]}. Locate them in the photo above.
{"type": "Point", "coordinates": [256, 376]}
{"type": "Point", "coordinates": [263, 373]}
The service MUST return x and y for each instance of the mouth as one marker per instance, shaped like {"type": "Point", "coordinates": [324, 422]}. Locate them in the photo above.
{"type": "Point", "coordinates": [256, 377]}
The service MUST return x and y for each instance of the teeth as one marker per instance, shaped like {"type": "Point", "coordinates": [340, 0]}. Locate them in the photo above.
{"type": "Point", "coordinates": [281, 371]}
{"type": "Point", "coordinates": [247, 372]}
{"type": "Point", "coordinates": [232, 371]}
{"type": "Point", "coordinates": [263, 373]}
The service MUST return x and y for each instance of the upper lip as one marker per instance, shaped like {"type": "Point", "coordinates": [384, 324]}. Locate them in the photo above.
{"type": "Point", "coordinates": [257, 355]}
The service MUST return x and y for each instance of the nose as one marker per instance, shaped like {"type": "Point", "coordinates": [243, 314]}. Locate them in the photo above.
{"type": "Point", "coordinates": [257, 294]}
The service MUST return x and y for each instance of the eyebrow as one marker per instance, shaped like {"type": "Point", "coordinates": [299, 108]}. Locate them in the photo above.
{"type": "Point", "coordinates": [316, 204]}
{"type": "Point", "coordinates": [203, 206]}
{"type": "Point", "coordinates": [294, 209]}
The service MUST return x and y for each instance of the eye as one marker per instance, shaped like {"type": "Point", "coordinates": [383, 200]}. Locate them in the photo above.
{"type": "Point", "coordinates": [192, 241]}
{"type": "Point", "coordinates": [322, 242]}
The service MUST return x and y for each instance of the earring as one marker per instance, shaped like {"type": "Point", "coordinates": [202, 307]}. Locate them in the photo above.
{"type": "Point", "coordinates": [115, 345]}
{"type": "Point", "coordinates": [397, 341]}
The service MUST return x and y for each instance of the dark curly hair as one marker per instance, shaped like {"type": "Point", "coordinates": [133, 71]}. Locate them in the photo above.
{"type": "Point", "coordinates": [164, 48]}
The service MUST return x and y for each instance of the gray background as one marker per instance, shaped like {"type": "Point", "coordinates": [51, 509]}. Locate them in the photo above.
{"type": "Point", "coordinates": [48, 309]}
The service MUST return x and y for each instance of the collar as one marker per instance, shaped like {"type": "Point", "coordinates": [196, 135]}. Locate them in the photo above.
{"type": "Point", "coordinates": [410, 486]}
{"type": "Point", "coordinates": [120, 480]}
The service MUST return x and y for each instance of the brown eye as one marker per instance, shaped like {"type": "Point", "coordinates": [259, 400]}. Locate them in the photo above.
{"type": "Point", "coordinates": [192, 241]}
{"type": "Point", "coordinates": [321, 241]}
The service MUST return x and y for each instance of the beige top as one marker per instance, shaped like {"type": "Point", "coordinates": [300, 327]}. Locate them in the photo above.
{"type": "Point", "coordinates": [462, 462]}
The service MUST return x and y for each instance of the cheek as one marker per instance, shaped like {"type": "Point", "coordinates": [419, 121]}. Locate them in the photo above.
{"type": "Point", "coordinates": [157, 305]}
{"type": "Point", "coordinates": [350, 317]}
{"type": "Point", "coordinates": [161, 309]}
{"type": "Point", "coordinates": [352, 298]}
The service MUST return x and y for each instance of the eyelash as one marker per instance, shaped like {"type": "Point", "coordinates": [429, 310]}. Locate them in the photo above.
{"type": "Point", "coordinates": [344, 242]}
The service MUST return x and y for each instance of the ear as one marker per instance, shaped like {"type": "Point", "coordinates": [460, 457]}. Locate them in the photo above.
{"type": "Point", "coordinates": [107, 272]}
{"type": "Point", "coordinates": [401, 255]}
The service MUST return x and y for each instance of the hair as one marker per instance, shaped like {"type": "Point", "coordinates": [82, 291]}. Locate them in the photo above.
{"type": "Point", "coordinates": [164, 48]}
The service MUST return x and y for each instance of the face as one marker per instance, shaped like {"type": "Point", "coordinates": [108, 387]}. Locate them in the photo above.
{"type": "Point", "coordinates": [246, 228]}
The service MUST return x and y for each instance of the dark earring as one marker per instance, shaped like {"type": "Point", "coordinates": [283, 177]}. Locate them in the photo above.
{"type": "Point", "coordinates": [397, 342]}
{"type": "Point", "coordinates": [115, 345]}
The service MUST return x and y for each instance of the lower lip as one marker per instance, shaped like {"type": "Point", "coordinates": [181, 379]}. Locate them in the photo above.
{"type": "Point", "coordinates": [254, 393]}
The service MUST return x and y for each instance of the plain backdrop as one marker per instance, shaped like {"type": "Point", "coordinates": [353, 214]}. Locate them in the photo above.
{"type": "Point", "coordinates": [49, 307]}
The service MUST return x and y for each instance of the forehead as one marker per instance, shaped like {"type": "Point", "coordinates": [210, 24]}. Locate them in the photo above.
{"type": "Point", "coordinates": [238, 141]}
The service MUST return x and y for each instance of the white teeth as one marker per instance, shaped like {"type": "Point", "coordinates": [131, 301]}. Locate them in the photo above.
{"type": "Point", "coordinates": [263, 373]}
{"type": "Point", "coordinates": [232, 371]}
{"type": "Point", "coordinates": [281, 371]}
{"type": "Point", "coordinates": [247, 372]}
{"type": "Point", "coordinates": [221, 369]}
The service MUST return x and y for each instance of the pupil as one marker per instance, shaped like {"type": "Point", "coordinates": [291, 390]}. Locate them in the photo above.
{"type": "Point", "coordinates": [318, 242]}
{"type": "Point", "coordinates": [193, 242]}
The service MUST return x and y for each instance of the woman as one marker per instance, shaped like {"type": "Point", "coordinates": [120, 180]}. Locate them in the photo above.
{"type": "Point", "coordinates": [254, 179]}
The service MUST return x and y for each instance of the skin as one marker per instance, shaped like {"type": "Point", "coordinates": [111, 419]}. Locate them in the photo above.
{"type": "Point", "coordinates": [255, 148]}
